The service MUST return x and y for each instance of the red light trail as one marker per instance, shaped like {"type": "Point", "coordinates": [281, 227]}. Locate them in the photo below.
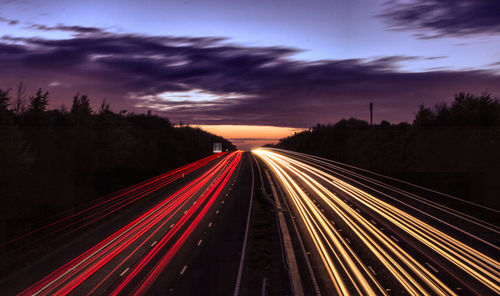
{"type": "Point", "coordinates": [130, 246]}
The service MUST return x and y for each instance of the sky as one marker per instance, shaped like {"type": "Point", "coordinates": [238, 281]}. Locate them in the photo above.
{"type": "Point", "coordinates": [253, 71]}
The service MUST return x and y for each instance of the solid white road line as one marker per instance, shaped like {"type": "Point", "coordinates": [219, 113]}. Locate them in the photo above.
{"type": "Point", "coordinates": [244, 248]}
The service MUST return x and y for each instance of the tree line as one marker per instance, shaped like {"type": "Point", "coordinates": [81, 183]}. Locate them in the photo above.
{"type": "Point", "coordinates": [52, 160]}
{"type": "Point", "coordinates": [451, 147]}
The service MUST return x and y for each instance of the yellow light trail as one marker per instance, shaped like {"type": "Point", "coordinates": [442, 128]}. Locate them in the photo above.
{"type": "Point", "coordinates": [346, 270]}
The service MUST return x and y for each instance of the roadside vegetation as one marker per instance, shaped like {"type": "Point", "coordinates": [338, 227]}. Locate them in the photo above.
{"type": "Point", "coordinates": [53, 160]}
{"type": "Point", "coordinates": [454, 148]}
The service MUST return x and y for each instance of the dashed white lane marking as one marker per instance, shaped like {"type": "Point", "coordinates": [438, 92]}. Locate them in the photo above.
{"type": "Point", "coordinates": [185, 211]}
{"type": "Point", "coordinates": [217, 212]}
{"type": "Point", "coordinates": [348, 240]}
{"type": "Point", "coordinates": [357, 210]}
{"type": "Point", "coordinates": [431, 267]}
{"type": "Point", "coordinates": [199, 242]}
{"type": "Point", "coordinates": [332, 222]}
{"type": "Point", "coordinates": [172, 225]}
{"type": "Point", "coordinates": [373, 222]}
{"type": "Point", "coordinates": [124, 272]}
{"type": "Point", "coordinates": [183, 270]}
{"type": "Point", "coordinates": [392, 236]}
{"type": "Point", "coordinates": [222, 202]}
{"type": "Point", "coordinates": [210, 224]}
{"type": "Point", "coordinates": [154, 243]}
{"type": "Point", "coordinates": [371, 269]}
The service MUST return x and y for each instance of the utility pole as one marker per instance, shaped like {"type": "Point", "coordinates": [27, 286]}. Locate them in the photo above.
{"type": "Point", "coordinates": [371, 114]}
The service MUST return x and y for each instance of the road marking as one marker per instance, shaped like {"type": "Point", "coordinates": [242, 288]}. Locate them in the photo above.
{"type": "Point", "coordinates": [124, 272]}
{"type": "Point", "coordinates": [185, 211]}
{"type": "Point", "coordinates": [222, 202]}
{"type": "Point", "coordinates": [431, 267]}
{"type": "Point", "coordinates": [371, 269]}
{"type": "Point", "coordinates": [245, 240]}
{"type": "Point", "coordinates": [348, 240]}
{"type": "Point", "coordinates": [199, 242]}
{"type": "Point", "coordinates": [357, 210]}
{"type": "Point", "coordinates": [217, 212]}
{"type": "Point", "coordinates": [210, 224]}
{"type": "Point", "coordinates": [183, 270]}
{"type": "Point", "coordinates": [172, 225]}
{"type": "Point", "coordinates": [154, 243]}
{"type": "Point", "coordinates": [373, 222]}
{"type": "Point", "coordinates": [332, 222]}
{"type": "Point", "coordinates": [394, 238]}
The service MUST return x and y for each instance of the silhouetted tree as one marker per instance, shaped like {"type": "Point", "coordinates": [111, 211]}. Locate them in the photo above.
{"type": "Point", "coordinates": [19, 105]}
{"type": "Point", "coordinates": [81, 110]}
{"type": "Point", "coordinates": [38, 102]}
{"type": "Point", "coordinates": [4, 99]}
{"type": "Point", "coordinates": [4, 104]}
{"type": "Point", "coordinates": [104, 108]}
{"type": "Point", "coordinates": [468, 109]}
{"type": "Point", "coordinates": [424, 117]}
{"type": "Point", "coordinates": [81, 105]}
{"type": "Point", "coordinates": [35, 114]}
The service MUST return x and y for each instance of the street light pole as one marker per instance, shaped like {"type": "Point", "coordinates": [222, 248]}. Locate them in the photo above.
{"type": "Point", "coordinates": [371, 113]}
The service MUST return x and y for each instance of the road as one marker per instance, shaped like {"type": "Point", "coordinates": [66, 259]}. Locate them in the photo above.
{"type": "Point", "coordinates": [324, 228]}
{"type": "Point", "coordinates": [358, 235]}
{"type": "Point", "coordinates": [188, 240]}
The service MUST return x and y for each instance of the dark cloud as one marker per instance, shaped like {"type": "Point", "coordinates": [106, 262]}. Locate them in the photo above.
{"type": "Point", "coordinates": [438, 18]}
{"type": "Point", "coordinates": [229, 83]}
{"type": "Point", "coordinates": [9, 21]}
{"type": "Point", "coordinates": [74, 29]}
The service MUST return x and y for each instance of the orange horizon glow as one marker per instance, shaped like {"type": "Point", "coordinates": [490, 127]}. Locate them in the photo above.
{"type": "Point", "coordinates": [250, 136]}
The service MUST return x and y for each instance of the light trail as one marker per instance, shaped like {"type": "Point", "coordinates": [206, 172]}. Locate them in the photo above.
{"type": "Point", "coordinates": [99, 268]}
{"type": "Point", "coordinates": [347, 272]}
{"type": "Point", "coordinates": [89, 213]}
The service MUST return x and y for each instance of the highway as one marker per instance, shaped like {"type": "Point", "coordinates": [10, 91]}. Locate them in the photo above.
{"type": "Point", "coordinates": [331, 229]}
{"type": "Point", "coordinates": [360, 235]}
{"type": "Point", "coordinates": [188, 239]}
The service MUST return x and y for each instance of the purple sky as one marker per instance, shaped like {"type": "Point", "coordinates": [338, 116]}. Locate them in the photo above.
{"type": "Point", "coordinates": [274, 63]}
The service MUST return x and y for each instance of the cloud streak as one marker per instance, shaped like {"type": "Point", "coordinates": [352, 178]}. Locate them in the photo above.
{"type": "Point", "coordinates": [440, 18]}
{"type": "Point", "coordinates": [237, 84]}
